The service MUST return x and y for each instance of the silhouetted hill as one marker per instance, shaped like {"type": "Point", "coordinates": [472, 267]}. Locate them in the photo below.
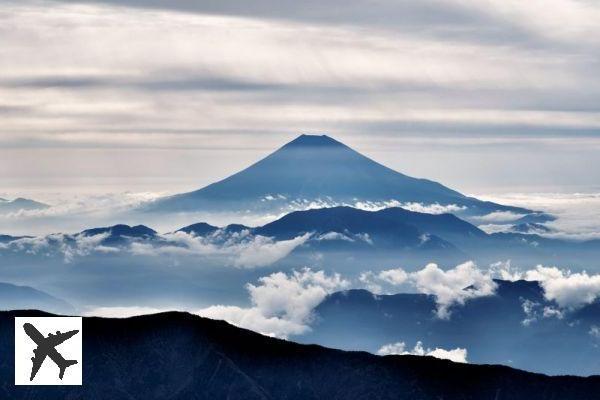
{"type": "Point", "coordinates": [180, 356]}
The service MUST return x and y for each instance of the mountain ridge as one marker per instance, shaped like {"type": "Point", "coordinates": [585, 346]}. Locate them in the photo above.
{"type": "Point", "coordinates": [181, 356]}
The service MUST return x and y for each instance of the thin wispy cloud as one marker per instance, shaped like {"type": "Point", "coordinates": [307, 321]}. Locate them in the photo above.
{"type": "Point", "coordinates": [160, 79]}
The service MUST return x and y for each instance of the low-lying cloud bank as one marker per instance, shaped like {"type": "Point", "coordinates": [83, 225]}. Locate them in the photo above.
{"type": "Point", "coordinates": [458, 354]}
{"type": "Point", "coordinates": [76, 212]}
{"type": "Point", "coordinates": [576, 214]}
{"type": "Point", "coordinates": [68, 246]}
{"type": "Point", "coordinates": [238, 249]}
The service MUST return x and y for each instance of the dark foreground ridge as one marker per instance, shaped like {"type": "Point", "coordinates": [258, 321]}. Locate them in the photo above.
{"type": "Point", "coordinates": [181, 356]}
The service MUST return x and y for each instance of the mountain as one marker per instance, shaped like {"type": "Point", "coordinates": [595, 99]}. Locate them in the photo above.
{"type": "Point", "coordinates": [319, 168]}
{"type": "Point", "coordinates": [347, 229]}
{"type": "Point", "coordinates": [13, 297]}
{"type": "Point", "coordinates": [515, 326]}
{"type": "Point", "coordinates": [531, 227]}
{"type": "Point", "coordinates": [119, 234]}
{"type": "Point", "coordinates": [180, 356]}
{"type": "Point", "coordinates": [199, 229]}
{"type": "Point", "coordinates": [340, 238]}
{"type": "Point", "coordinates": [388, 224]}
{"type": "Point", "coordinates": [8, 206]}
{"type": "Point", "coordinates": [345, 237]}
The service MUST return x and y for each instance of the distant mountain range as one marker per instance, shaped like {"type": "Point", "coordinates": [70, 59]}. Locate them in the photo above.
{"type": "Point", "coordinates": [180, 356]}
{"type": "Point", "coordinates": [348, 237]}
{"type": "Point", "coordinates": [318, 168]}
{"type": "Point", "coordinates": [516, 326]}
{"type": "Point", "coordinates": [8, 206]}
{"type": "Point", "coordinates": [13, 297]}
{"type": "Point", "coordinates": [394, 234]}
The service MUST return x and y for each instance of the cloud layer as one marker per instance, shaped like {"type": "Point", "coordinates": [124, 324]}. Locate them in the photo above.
{"type": "Point", "coordinates": [178, 82]}
{"type": "Point", "coordinates": [237, 249]}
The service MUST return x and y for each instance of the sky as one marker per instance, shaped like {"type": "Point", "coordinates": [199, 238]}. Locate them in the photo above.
{"type": "Point", "coordinates": [486, 96]}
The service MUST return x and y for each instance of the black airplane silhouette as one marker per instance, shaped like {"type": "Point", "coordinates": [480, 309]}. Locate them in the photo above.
{"type": "Point", "coordinates": [46, 347]}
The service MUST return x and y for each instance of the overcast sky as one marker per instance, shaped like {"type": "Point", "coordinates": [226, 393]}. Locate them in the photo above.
{"type": "Point", "coordinates": [169, 95]}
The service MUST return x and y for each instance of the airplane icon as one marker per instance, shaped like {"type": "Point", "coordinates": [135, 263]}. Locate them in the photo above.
{"type": "Point", "coordinates": [47, 348]}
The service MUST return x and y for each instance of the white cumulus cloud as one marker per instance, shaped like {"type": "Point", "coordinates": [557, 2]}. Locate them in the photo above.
{"type": "Point", "coordinates": [458, 354]}
{"type": "Point", "coordinates": [451, 287]}
{"type": "Point", "coordinates": [454, 286]}
{"type": "Point", "coordinates": [282, 303]}
{"type": "Point", "coordinates": [569, 290]}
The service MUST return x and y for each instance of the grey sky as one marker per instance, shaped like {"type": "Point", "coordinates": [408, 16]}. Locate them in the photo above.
{"type": "Point", "coordinates": [169, 95]}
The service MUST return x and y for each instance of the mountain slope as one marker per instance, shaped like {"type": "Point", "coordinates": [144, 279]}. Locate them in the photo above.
{"type": "Point", "coordinates": [8, 206]}
{"type": "Point", "coordinates": [13, 297]}
{"type": "Point", "coordinates": [180, 356]}
{"type": "Point", "coordinates": [318, 168]}
{"type": "Point", "coordinates": [389, 222]}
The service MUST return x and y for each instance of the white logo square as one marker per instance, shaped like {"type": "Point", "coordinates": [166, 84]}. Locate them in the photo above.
{"type": "Point", "coordinates": [48, 351]}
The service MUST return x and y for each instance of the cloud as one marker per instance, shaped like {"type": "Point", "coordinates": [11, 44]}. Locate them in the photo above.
{"type": "Point", "coordinates": [458, 354]}
{"type": "Point", "coordinates": [454, 286]}
{"type": "Point", "coordinates": [254, 319]}
{"type": "Point", "coordinates": [334, 236]}
{"type": "Point", "coordinates": [299, 204]}
{"type": "Point", "coordinates": [451, 287]}
{"type": "Point", "coordinates": [386, 281]}
{"type": "Point", "coordinates": [577, 213]}
{"type": "Point", "coordinates": [405, 72]}
{"type": "Point", "coordinates": [237, 249]}
{"type": "Point", "coordinates": [433, 208]}
{"type": "Point", "coordinates": [346, 236]}
{"type": "Point", "coordinates": [75, 211]}
{"type": "Point", "coordinates": [67, 246]}
{"type": "Point", "coordinates": [121, 312]}
{"type": "Point", "coordinates": [535, 311]}
{"type": "Point", "coordinates": [264, 251]}
{"type": "Point", "coordinates": [569, 290]}
{"type": "Point", "coordinates": [508, 22]}
{"type": "Point", "coordinates": [505, 271]}
{"type": "Point", "coordinates": [282, 304]}
{"type": "Point", "coordinates": [500, 217]}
